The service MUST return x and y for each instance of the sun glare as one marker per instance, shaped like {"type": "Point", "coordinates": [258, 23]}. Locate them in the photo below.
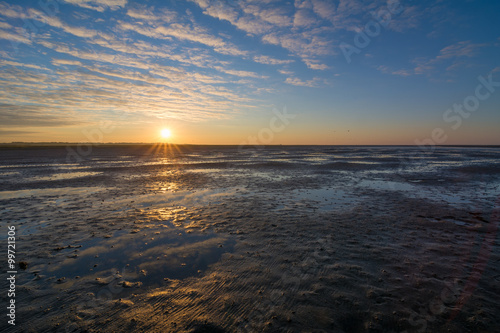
{"type": "Point", "coordinates": [165, 133]}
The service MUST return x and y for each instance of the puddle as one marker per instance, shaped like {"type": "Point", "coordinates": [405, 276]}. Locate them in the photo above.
{"type": "Point", "coordinates": [148, 256]}
{"type": "Point", "coordinates": [66, 175]}
{"type": "Point", "coordinates": [386, 185]}
{"type": "Point", "coordinates": [207, 170]}
{"type": "Point", "coordinates": [316, 159]}
{"type": "Point", "coordinates": [365, 162]}
{"type": "Point", "coordinates": [173, 197]}
{"type": "Point", "coordinates": [75, 167]}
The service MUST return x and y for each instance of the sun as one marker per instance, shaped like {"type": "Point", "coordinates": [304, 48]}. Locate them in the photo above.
{"type": "Point", "coordinates": [165, 133]}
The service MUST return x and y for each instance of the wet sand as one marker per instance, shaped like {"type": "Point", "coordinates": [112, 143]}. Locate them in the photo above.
{"type": "Point", "coordinates": [278, 239]}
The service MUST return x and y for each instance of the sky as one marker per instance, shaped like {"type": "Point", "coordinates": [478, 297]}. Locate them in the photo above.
{"type": "Point", "coordinates": [251, 72]}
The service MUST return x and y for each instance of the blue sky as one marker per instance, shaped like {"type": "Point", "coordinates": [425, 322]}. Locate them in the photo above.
{"type": "Point", "coordinates": [350, 72]}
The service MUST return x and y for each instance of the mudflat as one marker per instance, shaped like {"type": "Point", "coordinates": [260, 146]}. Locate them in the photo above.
{"type": "Point", "coordinates": [138, 238]}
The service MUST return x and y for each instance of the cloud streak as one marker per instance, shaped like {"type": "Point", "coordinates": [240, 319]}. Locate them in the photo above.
{"type": "Point", "coordinates": [98, 5]}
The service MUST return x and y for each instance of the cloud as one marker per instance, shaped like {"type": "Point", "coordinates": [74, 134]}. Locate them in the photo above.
{"type": "Point", "coordinates": [240, 73]}
{"type": "Point", "coordinates": [14, 37]}
{"type": "Point", "coordinates": [130, 54]}
{"type": "Point", "coordinates": [324, 9]}
{"type": "Point", "coordinates": [123, 69]}
{"type": "Point", "coordinates": [402, 72]}
{"type": "Point", "coordinates": [5, 25]}
{"type": "Point", "coordinates": [460, 49]}
{"type": "Point", "coordinates": [92, 55]}
{"type": "Point", "coordinates": [451, 55]}
{"type": "Point", "coordinates": [33, 116]}
{"type": "Point", "coordinates": [99, 5]}
{"type": "Point", "coordinates": [279, 16]}
{"type": "Point", "coordinates": [409, 19]}
{"type": "Point", "coordinates": [184, 32]}
{"type": "Point", "coordinates": [285, 72]}
{"type": "Point", "coordinates": [353, 7]}
{"type": "Point", "coordinates": [314, 64]}
{"type": "Point", "coordinates": [13, 11]}
{"type": "Point", "coordinates": [202, 3]}
{"type": "Point", "coordinates": [422, 66]}
{"type": "Point", "coordinates": [59, 62]}
{"type": "Point", "coordinates": [119, 82]}
{"type": "Point", "coordinates": [304, 18]}
{"type": "Point", "coordinates": [387, 70]}
{"type": "Point", "coordinates": [19, 64]}
{"type": "Point", "coordinates": [252, 25]}
{"type": "Point", "coordinates": [272, 25]}
{"type": "Point", "coordinates": [151, 14]}
{"type": "Point", "coordinates": [57, 23]}
{"type": "Point", "coordinates": [271, 61]}
{"type": "Point", "coordinates": [298, 82]}
{"type": "Point", "coordinates": [221, 11]}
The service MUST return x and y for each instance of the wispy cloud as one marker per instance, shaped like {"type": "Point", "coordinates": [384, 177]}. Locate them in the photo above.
{"type": "Point", "coordinates": [14, 37]}
{"type": "Point", "coordinates": [64, 62]}
{"type": "Point", "coordinates": [315, 64]}
{"type": "Point", "coordinates": [271, 61]}
{"type": "Point", "coordinates": [14, 11]}
{"type": "Point", "coordinates": [323, 8]}
{"type": "Point", "coordinates": [20, 64]}
{"type": "Point", "coordinates": [57, 23]}
{"type": "Point", "coordinates": [452, 55]}
{"type": "Point", "coordinates": [151, 14]}
{"type": "Point", "coordinates": [278, 16]}
{"type": "Point", "coordinates": [240, 73]}
{"type": "Point", "coordinates": [184, 32]}
{"type": "Point", "coordinates": [34, 116]}
{"type": "Point", "coordinates": [304, 18]}
{"type": "Point", "coordinates": [410, 18]}
{"type": "Point", "coordinates": [460, 49]}
{"type": "Point", "coordinates": [298, 82]}
{"type": "Point", "coordinates": [272, 25]}
{"type": "Point", "coordinates": [400, 72]}
{"type": "Point", "coordinates": [99, 5]}
{"type": "Point", "coordinates": [285, 72]}
{"type": "Point", "coordinates": [5, 25]}
{"type": "Point", "coordinates": [90, 81]}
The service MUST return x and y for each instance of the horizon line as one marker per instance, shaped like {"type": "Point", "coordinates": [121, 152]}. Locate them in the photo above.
{"type": "Point", "coordinates": [62, 143]}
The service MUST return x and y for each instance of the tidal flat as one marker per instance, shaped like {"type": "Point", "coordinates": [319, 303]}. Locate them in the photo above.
{"type": "Point", "coordinates": [141, 238]}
